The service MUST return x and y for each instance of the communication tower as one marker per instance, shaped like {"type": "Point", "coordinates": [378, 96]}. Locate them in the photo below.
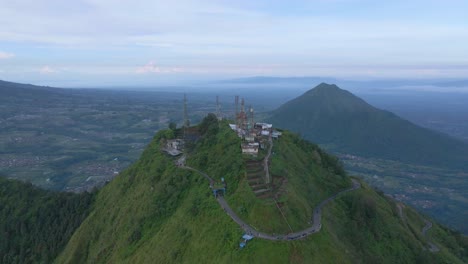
{"type": "Point", "coordinates": [218, 109]}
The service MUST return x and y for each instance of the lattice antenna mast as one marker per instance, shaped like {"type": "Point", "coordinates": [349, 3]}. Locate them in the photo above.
{"type": "Point", "coordinates": [218, 108]}
{"type": "Point", "coordinates": [186, 120]}
{"type": "Point", "coordinates": [237, 106]}
{"type": "Point", "coordinates": [242, 105]}
{"type": "Point", "coordinates": [252, 124]}
{"type": "Point", "coordinates": [242, 115]}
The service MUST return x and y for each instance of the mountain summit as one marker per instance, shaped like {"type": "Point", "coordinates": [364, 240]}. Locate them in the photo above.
{"type": "Point", "coordinates": [328, 97]}
{"type": "Point", "coordinates": [343, 122]}
{"type": "Point", "coordinates": [158, 211]}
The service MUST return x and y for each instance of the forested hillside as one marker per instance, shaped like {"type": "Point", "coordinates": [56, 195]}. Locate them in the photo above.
{"type": "Point", "coordinates": [36, 224]}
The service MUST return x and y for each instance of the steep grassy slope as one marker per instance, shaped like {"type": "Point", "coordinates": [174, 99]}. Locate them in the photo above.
{"type": "Point", "coordinates": [345, 123]}
{"type": "Point", "coordinates": [36, 224]}
{"type": "Point", "coordinates": [312, 176]}
{"type": "Point", "coordinates": [424, 168]}
{"type": "Point", "coordinates": [155, 212]}
{"type": "Point", "coordinates": [369, 229]}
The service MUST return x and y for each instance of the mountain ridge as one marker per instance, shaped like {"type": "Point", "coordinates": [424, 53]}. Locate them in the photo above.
{"type": "Point", "coordinates": [156, 212]}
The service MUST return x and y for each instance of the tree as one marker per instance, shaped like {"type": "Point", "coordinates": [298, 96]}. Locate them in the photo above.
{"type": "Point", "coordinates": [169, 134]}
{"type": "Point", "coordinates": [209, 125]}
{"type": "Point", "coordinates": [172, 126]}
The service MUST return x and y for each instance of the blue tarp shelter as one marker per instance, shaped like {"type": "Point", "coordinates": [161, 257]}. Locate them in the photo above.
{"type": "Point", "coordinates": [247, 237]}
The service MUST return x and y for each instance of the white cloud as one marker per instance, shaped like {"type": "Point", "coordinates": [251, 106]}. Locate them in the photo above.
{"type": "Point", "coordinates": [150, 67]}
{"type": "Point", "coordinates": [6, 55]}
{"type": "Point", "coordinates": [233, 37]}
{"type": "Point", "coordinates": [47, 70]}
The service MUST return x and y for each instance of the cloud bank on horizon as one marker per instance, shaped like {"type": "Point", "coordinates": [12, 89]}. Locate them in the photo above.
{"type": "Point", "coordinates": [104, 42]}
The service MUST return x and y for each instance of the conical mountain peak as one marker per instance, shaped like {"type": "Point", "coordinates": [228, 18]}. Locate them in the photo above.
{"type": "Point", "coordinates": [335, 117]}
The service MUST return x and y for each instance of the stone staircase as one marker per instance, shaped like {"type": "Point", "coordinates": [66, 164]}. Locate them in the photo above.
{"type": "Point", "coordinates": [256, 178]}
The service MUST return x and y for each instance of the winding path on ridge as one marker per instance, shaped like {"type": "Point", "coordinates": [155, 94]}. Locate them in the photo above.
{"type": "Point", "coordinates": [428, 225]}
{"type": "Point", "coordinates": [316, 218]}
{"type": "Point", "coordinates": [432, 247]}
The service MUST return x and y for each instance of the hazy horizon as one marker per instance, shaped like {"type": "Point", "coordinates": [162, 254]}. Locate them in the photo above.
{"type": "Point", "coordinates": [98, 43]}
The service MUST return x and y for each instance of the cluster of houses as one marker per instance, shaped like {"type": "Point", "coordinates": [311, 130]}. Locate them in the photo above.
{"type": "Point", "coordinates": [174, 147]}
{"type": "Point", "coordinates": [254, 137]}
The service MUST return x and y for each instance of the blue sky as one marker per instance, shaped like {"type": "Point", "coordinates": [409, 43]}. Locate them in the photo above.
{"type": "Point", "coordinates": [144, 42]}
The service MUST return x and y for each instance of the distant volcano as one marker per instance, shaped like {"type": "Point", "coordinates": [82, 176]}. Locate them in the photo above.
{"type": "Point", "coordinates": [343, 122]}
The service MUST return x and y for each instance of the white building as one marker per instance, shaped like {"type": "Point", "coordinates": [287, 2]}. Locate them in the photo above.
{"type": "Point", "coordinates": [264, 126]}
{"type": "Point", "coordinates": [250, 148]}
{"type": "Point", "coordinates": [276, 134]}
{"type": "Point", "coordinates": [175, 144]}
{"type": "Point", "coordinates": [174, 147]}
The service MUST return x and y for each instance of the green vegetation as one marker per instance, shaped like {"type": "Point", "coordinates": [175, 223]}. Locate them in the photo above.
{"type": "Point", "coordinates": [421, 167]}
{"type": "Point", "coordinates": [155, 212]}
{"type": "Point", "coordinates": [311, 176]}
{"type": "Point", "coordinates": [35, 224]}
{"type": "Point", "coordinates": [439, 192]}
{"type": "Point", "coordinates": [370, 231]}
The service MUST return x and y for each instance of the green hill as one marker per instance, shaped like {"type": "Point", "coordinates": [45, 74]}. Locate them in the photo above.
{"type": "Point", "coordinates": [36, 224]}
{"type": "Point", "coordinates": [155, 212]}
{"type": "Point", "coordinates": [344, 123]}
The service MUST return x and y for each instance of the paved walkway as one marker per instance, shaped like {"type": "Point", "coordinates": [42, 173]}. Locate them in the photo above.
{"type": "Point", "coordinates": [316, 218]}
{"type": "Point", "coordinates": [400, 211]}
{"type": "Point", "coordinates": [432, 246]}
